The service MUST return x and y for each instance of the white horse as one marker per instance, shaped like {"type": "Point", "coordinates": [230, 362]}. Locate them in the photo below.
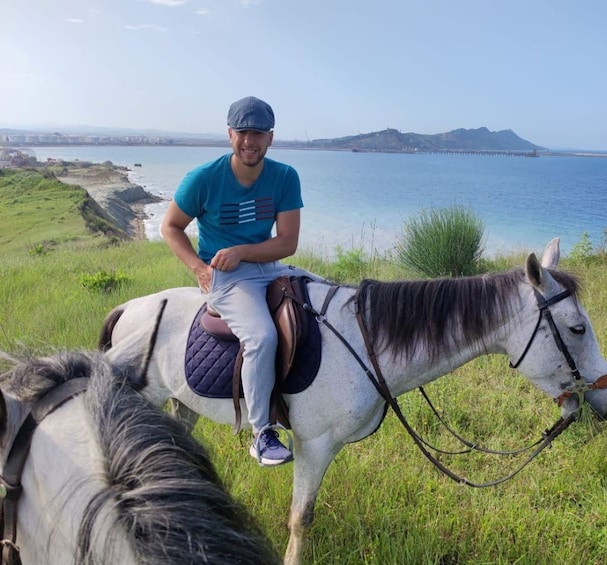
{"type": "Point", "coordinates": [416, 331]}
{"type": "Point", "coordinates": [108, 477]}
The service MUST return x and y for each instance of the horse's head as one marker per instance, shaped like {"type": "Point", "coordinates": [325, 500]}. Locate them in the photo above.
{"type": "Point", "coordinates": [560, 352]}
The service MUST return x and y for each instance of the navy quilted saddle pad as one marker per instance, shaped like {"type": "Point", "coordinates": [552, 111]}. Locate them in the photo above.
{"type": "Point", "coordinates": [209, 361]}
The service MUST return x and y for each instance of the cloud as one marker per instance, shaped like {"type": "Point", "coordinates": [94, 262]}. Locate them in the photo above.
{"type": "Point", "coordinates": [168, 2]}
{"type": "Point", "coordinates": [251, 2]}
{"type": "Point", "coordinates": [75, 20]}
{"type": "Point", "coordinates": [202, 12]}
{"type": "Point", "coordinates": [145, 27]}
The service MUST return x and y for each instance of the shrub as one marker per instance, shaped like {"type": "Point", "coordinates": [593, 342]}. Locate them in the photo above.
{"type": "Point", "coordinates": [349, 266]}
{"type": "Point", "coordinates": [38, 249]}
{"type": "Point", "coordinates": [442, 242]}
{"type": "Point", "coordinates": [582, 250]}
{"type": "Point", "coordinates": [102, 280]}
{"type": "Point", "coordinates": [42, 248]}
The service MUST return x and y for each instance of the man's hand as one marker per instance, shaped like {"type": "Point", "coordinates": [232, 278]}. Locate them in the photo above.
{"type": "Point", "coordinates": [226, 259]}
{"type": "Point", "coordinates": [204, 274]}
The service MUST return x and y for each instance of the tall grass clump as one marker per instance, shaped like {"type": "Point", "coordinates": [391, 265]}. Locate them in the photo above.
{"type": "Point", "coordinates": [442, 242]}
{"type": "Point", "coordinates": [348, 266]}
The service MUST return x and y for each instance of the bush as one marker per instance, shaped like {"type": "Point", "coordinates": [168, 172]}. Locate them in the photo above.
{"type": "Point", "coordinates": [582, 251]}
{"type": "Point", "coordinates": [349, 265]}
{"type": "Point", "coordinates": [38, 249]}
{"type": "Point", "coordinates": [442, 242]}
{"type": "Point", "coordinates": [102, 280]}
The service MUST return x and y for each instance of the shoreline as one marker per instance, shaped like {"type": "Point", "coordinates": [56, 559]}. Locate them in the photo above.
{"type": "Point", "coordinates": [109, 186]}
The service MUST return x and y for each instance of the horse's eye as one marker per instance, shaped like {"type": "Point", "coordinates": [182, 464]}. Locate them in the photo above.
{"type": "Point", "coordinates": [578, 330]}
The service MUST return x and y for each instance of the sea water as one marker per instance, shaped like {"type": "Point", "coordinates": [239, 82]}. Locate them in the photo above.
{"type": "Point", "coordinates": [362, 200]}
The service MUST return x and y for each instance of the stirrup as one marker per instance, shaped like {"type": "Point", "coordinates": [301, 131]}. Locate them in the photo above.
{"type": "Point", "coordinates": [276, 426]}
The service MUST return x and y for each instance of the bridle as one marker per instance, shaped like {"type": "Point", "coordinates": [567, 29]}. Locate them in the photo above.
{"type": "Point", "coordinates": [10, 481]}
{"type": "Point", "coordinates": [578, 388]}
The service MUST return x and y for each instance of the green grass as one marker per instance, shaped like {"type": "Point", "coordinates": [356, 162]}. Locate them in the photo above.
{"type": "Point", "coordinates": [381, 502]}
{"type": "Point", "coordinates": [39, 212]}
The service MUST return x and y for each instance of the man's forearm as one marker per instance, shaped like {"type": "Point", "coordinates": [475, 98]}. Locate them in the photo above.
{"type": "Point", "coordinates": [273, 249]}
{"type": "Point", "coordinates": [180, 244]}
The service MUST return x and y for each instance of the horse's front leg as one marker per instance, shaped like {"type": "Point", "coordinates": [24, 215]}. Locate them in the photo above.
{"type": "Point", "coordinates": [312, 458]}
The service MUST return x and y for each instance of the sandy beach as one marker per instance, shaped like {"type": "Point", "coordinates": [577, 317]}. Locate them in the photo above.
{"type": "Point", "coordinates": [110, 187]}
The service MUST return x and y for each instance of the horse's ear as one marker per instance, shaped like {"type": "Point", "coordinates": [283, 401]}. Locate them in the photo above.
{"type": "Point", "coordinates": [552, 254]}
{"type": "Point", "coordinates": [533, 269]}
{"type": "Point", "coordinates": [537, 274]}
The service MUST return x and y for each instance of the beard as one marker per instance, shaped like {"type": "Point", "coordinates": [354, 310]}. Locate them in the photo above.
{"type": "Point", "coordinates": [250, 159]}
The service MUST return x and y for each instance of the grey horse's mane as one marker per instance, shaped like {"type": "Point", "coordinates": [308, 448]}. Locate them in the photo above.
{"type": "Point", "coordinates": [403, 316]}
{"type": "Point", "coordinates": [167, 496]}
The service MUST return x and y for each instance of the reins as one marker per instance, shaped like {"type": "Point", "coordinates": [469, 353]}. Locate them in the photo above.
{"type": "Point", "coordinates": [378, 381]}
{"type": "Point", "coordinates": [547, 437]}
{"type": "Point", "coordinates": [470, 445]}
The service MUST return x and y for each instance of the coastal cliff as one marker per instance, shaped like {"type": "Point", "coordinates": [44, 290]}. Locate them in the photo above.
{"type": "Point", "coordinates": [109, 186]}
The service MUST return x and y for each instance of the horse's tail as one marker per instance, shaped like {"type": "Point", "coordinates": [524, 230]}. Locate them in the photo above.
{"type": "Point", "coordinates": [105, 337]}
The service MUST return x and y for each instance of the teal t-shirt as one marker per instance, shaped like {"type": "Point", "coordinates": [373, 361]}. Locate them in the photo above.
{"type": "Point", "coordinates": [229, 214]}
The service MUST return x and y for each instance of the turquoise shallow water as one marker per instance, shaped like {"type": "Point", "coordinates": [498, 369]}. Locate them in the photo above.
{"type": "Point", "coordinates": [363, 199]}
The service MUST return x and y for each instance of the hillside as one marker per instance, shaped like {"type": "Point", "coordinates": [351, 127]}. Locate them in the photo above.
{"type": "Point", "coordinates": [388, 140]}
{"type": "Point", "coordinates": [43, 205]}
{"type": "Point", "coordinates": [392, 140]}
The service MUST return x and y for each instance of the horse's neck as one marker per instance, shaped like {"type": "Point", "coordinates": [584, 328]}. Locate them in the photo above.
{"type": "Point", "coordinates": [418, 370]}
{"type": "Point", "coordinates": [507, 336]}
{"type": "Point", "coordinates": [63, 472]}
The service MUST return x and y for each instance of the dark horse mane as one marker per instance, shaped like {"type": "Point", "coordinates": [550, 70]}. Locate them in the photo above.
{"type": "Point", "coordinates": [165, 491]}
{"type": "Point", "coordinates": [403, 316]}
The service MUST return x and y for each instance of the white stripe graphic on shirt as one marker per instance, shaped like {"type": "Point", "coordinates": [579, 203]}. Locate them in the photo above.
{"type": "Point", "coordinates": [248, 211]}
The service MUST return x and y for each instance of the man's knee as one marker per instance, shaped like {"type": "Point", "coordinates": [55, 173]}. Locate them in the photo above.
{"type": "Point", "coordinates": [264, 338]}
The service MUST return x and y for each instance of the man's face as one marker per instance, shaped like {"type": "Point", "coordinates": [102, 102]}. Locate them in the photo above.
{"type": "Point", "coordinates": [250, 145]}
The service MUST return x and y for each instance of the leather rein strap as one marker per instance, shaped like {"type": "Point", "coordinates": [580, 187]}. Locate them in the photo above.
{"type": "Point", "coordinates": [547, 437]}
{"type": "Point", "coordinates": [10, 481]}
{"type": "Point", "coordinates": [381, 386]}
{"type": "Point", "coordinates": [579, 387]}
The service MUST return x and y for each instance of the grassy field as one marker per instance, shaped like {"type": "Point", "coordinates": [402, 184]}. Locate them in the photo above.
{"type": "Point", "coordinates": [381, 502]}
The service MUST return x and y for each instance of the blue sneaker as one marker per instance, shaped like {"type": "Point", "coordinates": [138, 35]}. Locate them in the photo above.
{"type": "Point", "coordinates": [268, 450]}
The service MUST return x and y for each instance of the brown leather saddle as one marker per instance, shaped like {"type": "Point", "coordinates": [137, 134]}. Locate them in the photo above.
{"type": "Point", "coordinates": [286, 297]}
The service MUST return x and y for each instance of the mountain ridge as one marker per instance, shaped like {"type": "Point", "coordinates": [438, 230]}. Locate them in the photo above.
{"type": "Point", "coordinates": [480, 139]}
{"type": "Point", "coordinates": [388, 140]}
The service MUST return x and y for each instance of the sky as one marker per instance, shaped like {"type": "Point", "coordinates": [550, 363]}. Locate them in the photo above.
{"type": "Point", "coordinates": [329, 68]}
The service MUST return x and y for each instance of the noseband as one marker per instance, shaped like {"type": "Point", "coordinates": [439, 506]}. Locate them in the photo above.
{"type": "Point", "coordinates": [579, 386]}
{"type": "Point", "coordinates": [10, 481]}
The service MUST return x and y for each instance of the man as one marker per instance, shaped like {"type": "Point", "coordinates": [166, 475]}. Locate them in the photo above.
{"type": "Point", "coordinates": [237, 199]}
